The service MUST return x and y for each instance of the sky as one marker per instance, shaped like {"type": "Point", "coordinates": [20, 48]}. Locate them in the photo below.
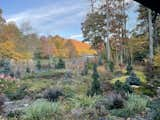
{"type": "Point", "coordinates": [54, 17]}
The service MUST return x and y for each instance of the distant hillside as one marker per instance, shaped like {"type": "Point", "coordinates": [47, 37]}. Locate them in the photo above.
{"type": "Point", "coordinates": [61, 47]}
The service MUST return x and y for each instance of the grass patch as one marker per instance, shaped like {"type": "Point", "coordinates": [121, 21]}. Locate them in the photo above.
{"type": "Point", "coordinates": [37, 85]}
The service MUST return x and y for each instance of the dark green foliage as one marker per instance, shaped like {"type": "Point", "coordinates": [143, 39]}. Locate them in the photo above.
{"type": "Point", "coordinates": [122, 87]}
{"type": "Point", "coordinates": [38, 65]}
{"type": "Point", "coordinates": [60, 65]}
{"type": "Point", "coordinates": [28, 70]}
{"type": "Point", "coordinates": [1, 102]}
{"type": "Point", "coordinates": [53, 94]}
{"type": "Point", "coordinates": [85, 70]}
{"type": "Point", "coordinates": [155, 109]}
{"type": "Point", "coordinates": [19, 94]}
{"type": "Point", "coordinates": [148, 90]}
{"type": "Point", "coordinates": [100, 60]}
{"type": "Point", "coordinates": [95, 88]}
{"type": "Point", "coordinates": [133, 79]}
{"type": "Point", "coordinates": [93, 28]}
{"type": "Point", "coordinates": [129, 69]}
{"type": "Point", "coordinates": [5, 67]}
{"type": "Point", "coordinates": [1, 63]}
{"type": "Point", "coordinates": [111, 66]}
{"type": "Point", "coordinates": [139, 56]}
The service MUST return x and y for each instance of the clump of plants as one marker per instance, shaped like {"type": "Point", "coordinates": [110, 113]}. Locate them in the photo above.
{"type": "Point", "coordinates": [20, 93]}
{"type": "Point", "coordinates": [38, 65]}
{"type": "Point", "coordinates": [148, 90]}
{"type": "Point", "coordinates": [133, 79]}
{"type": "Point", "coordinates": [60, 64]}
{"type": "Point", "coordinates": [2, 100]}
{"type": "Point", "coordinates": [115, 101]}
{"type": "Point", "coordinates": [129, 69]}
{"type": "Point", "coordinates": [120, 87]}
{"type": "Point", "coordinates": [111, 66]}
{"type": "Point", "coordinates": [85, 70]}
{"type": "Point", "coordinates": [41, 110]}
{"type": "Point", "coordinates": [95, 87]}
{"type": "Point", "coordinates": [5, 67]}
{"type": "Point", "coordinates": [53, 94]}
{"type": "Point", "coordinates": [155, 110]}
{"type": "Point", "coordinates": [83, 101]}
{"type": "Point", "coordinates": [134, 105]}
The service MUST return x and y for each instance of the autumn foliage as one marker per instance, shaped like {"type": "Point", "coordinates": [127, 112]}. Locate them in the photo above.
{"type": "Point", "coordinates": [67, 48]}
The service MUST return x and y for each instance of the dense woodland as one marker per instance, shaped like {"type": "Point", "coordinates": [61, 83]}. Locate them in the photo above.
{"type": "Point", "coordinates": [113, 74]}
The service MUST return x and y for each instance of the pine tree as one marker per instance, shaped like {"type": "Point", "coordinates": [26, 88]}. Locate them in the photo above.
{"type": "Point", "coordinates": [38, 65]}
{"type": "Point", "coordinates": [95, 88]}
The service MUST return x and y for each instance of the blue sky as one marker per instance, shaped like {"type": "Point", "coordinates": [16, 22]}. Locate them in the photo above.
{"type": "Point", "coordinates": [51, 17]}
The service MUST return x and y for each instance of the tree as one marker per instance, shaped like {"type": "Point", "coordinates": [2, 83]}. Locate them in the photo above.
{"type": "Point", "coordinates": [150, 36]}
{"type": "Point", "coordinates": [93, 28]}
{"type": "Point", "coordinates": [95, 88]}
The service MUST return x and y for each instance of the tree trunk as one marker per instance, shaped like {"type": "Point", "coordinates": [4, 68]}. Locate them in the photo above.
{"type": "Point", "coordinates": [108, 51]}
{"type": "Point", "coordinates": [150, 36]}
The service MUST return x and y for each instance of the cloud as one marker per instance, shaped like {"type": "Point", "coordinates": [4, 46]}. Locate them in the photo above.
{"type": "Point", "coordinates": [76, 36]}
{"type": "Point", "coordinates": [53, 17]}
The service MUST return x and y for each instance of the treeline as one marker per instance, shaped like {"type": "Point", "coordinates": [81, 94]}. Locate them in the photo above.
{"type": "Point", "coordinates": [106, 26]}
{"type": "Point", "coordinates": [22, 44]}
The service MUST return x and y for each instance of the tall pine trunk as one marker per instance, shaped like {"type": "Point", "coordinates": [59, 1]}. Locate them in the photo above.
{"type": "Point", "coordinates": [150, 36]}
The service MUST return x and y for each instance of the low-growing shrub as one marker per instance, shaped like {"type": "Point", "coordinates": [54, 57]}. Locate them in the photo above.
{"type": "Point", "coordinates": [129, 69]}
{"type": "Point", "coordinates": [155, 110]}
{"type": "Point", "coordinates": [115, 101]}
{"type": "Point", "coordinates": [84, 101]}
{"type": "Point", "coordinates": [133, 79]}
{"type": "Point", "coordinates": [148, 90]}
{"type": "Point", "coordinates": [19, 94]}
{"type": "Point", "coordinates": [38, 65]}
{"type": "Point", "coordinates": [53, 94]}
{"type": "Point", "coordinates": [135, 104]}
{"type": "Point", "coordinates": [41, 110]}
{"type": "Point", "coordinates": [2, 100]}
{"type": "Point", "coordinates": [122, 87]}
{"type": "Point", "coordinates": [60, 65]}
{"type": "Point", "coordinates": [85, 70]}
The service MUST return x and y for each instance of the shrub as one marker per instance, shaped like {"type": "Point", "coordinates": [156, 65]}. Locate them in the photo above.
{"type": "Point", "coordinates": [129, 69]}
{"type": "Point", "coordinates": [19, 94]}
{"type": "Point", "coordinates": [5, 65]}
{"type": "Point", "coordinates": [134, 105]}
{"type": "Point", "coordinates": [115, 101]}
{"type": "Point", "coordinates": [85, 70]}
{"type": "Point", "coordinates": [53, 94]}
{"type": "Point", "coordinates": [95, 88]}
{"type": "Point", "coordinates": [111, 66]}
{"type": "Point", "coordinates": [2, 100]}
{"type": "Point", "coordinates": [60, 65]}
{"type": "Point", "coordinates": [84, 101]}
{"type": "Point", "coordinates": [122, 87]}
{"type": "Point", "coordinates": [148, 90]}
{"type": "Point", "coordinates": [133, 79]}
{"type": "Point", "coordinates": [38, 65]}
{"type": "Point", "coordinates": [155, 109]}
{"type": "Point", "coordinates": [41, 110]}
